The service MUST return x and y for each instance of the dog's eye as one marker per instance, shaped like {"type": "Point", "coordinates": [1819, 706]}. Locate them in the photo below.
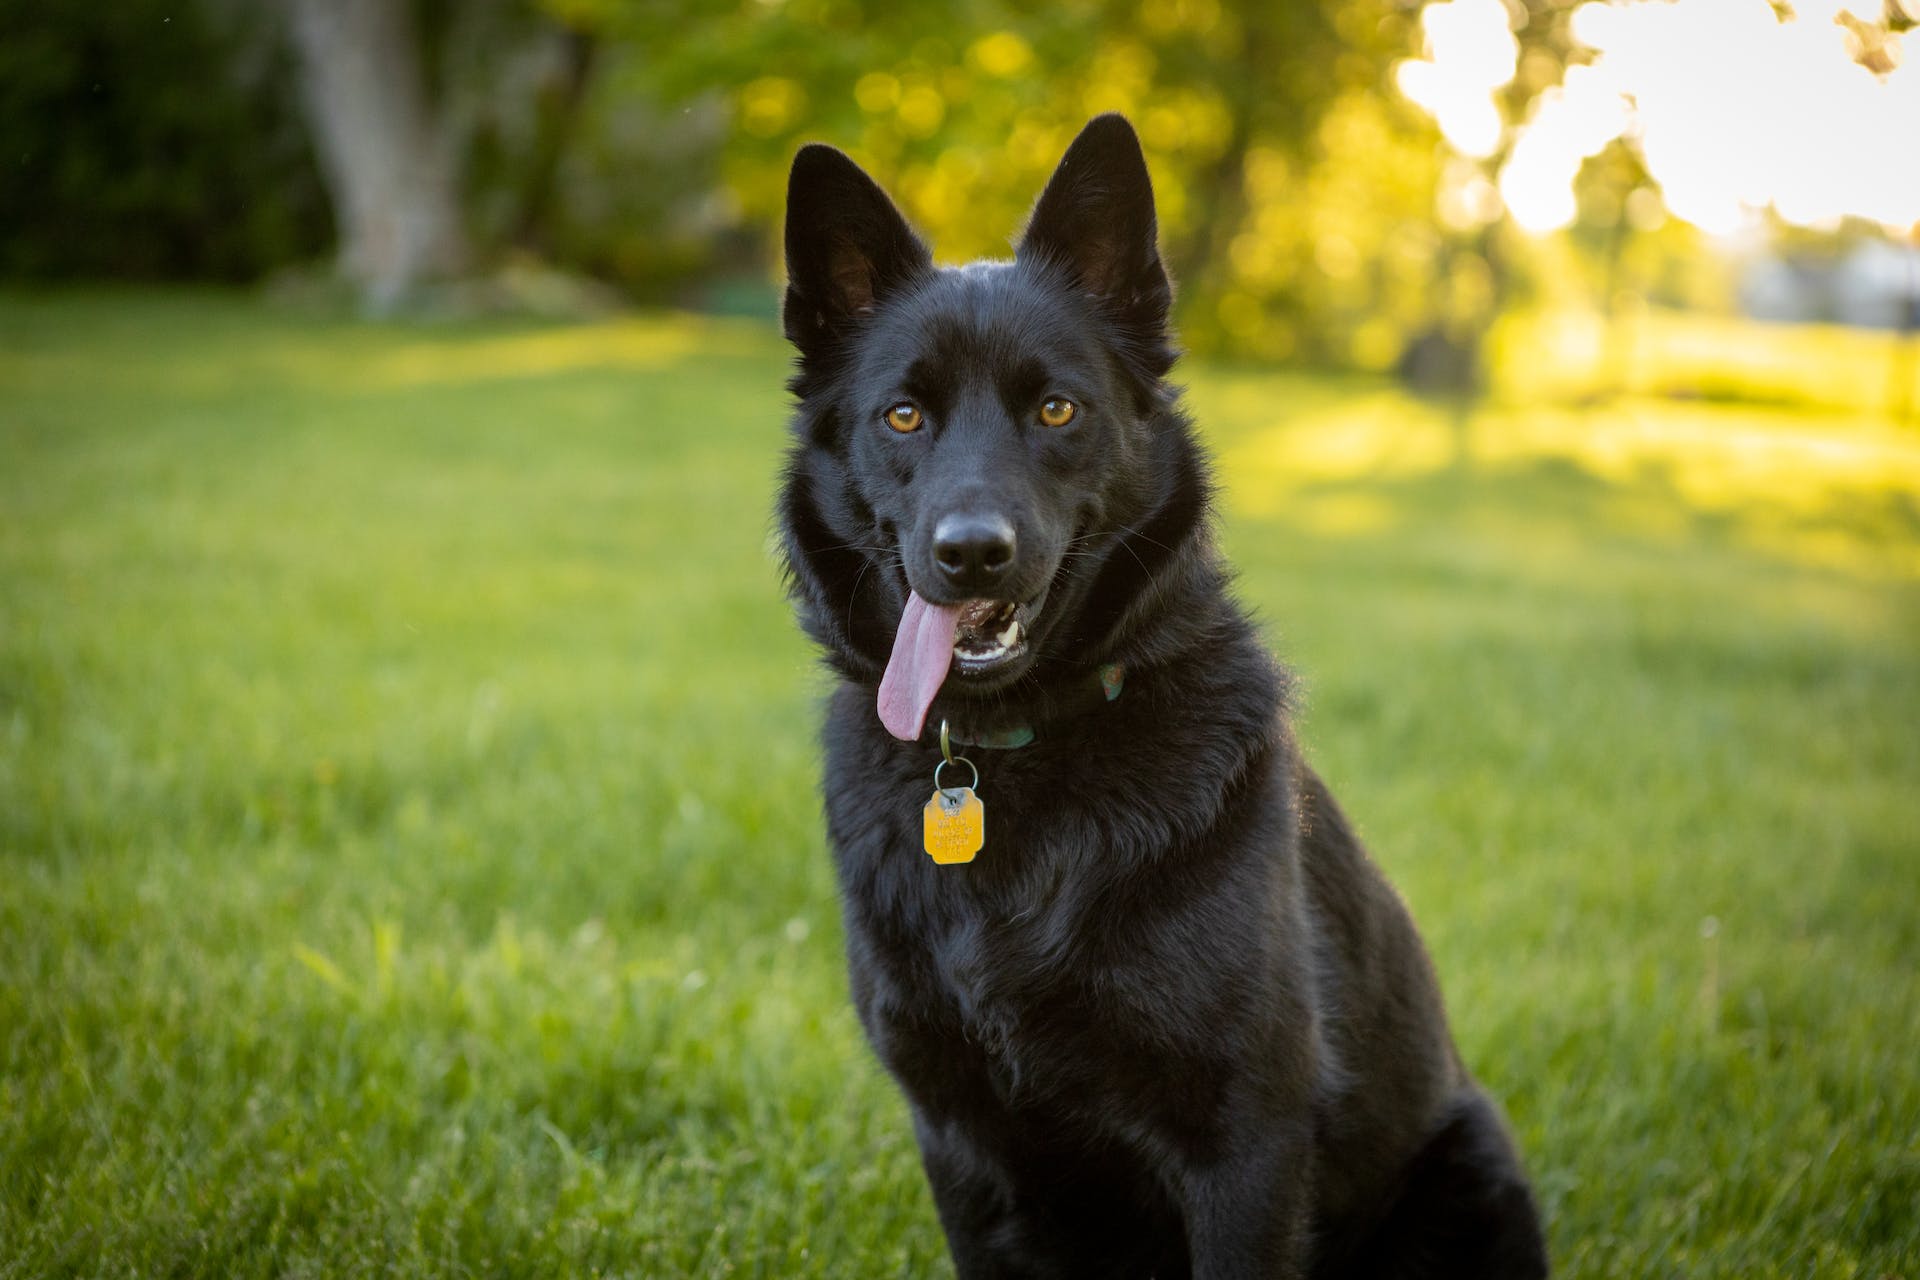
{"type": "Point", "coordinates": [904, 417]}
{"type": "Point", "coordinates": [1057, 411]}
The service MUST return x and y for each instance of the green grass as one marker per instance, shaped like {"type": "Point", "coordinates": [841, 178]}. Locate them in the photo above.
{"type": "Point", "coordinates": [409, 855]}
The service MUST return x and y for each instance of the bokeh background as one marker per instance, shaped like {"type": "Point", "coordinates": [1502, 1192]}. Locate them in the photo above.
{"type": "Point", "coordinates": [1375, 185]}
{"type": "Point", "coordinates": [409, 846]}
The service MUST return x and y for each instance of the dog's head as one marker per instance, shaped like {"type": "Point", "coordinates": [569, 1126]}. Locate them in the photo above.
{"type": "Point", "coordinates": [979, 446]}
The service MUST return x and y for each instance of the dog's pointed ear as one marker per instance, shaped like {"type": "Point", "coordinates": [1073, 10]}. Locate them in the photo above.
{"type": "Point", "coordinates": [847, 247]}
{"type": "Point", "coordinates": [1096, 220]}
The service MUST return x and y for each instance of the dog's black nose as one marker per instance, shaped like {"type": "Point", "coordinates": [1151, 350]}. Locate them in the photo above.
{"type": "Point", "coordinates": [973, 549]}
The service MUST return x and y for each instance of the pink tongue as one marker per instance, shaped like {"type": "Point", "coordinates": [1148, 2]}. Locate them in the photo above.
{"type": "Point", "coordinates": [922, 652]}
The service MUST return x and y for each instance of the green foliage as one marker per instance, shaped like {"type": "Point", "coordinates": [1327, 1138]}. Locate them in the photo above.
{"type": "Point", "coordinates": [149, 138]}
{"type": "Point", "coordinates": [640, 196]}
{"type": "Point", "coordinates": [413, 865]}
{"type": "Point", "coordinates": [1292, 192]}
{"type": "Point", "coordinates": [647, 144]}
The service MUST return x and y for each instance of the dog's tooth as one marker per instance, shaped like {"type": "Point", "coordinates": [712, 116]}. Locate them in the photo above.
{"type": "Point", "coordinates": [1011, 636]}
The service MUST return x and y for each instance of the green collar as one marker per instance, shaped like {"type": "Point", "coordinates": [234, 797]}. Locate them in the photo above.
{"type": "Point", "coordinates": [1109, 679]}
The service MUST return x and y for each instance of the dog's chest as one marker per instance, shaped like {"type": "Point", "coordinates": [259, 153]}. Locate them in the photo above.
{"type": "Point", "coordinates": [1016, 1003]}
{"type": "Point", "coordinates": [996, 974]}
{"type": "Point", "coordinates": [1011, 973]}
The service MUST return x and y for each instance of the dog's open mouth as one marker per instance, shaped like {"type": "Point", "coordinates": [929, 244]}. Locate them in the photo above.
{"type": "Point", "coordinates": [990, 634]}
{"type": "Point", "coordinates": [974, 639]}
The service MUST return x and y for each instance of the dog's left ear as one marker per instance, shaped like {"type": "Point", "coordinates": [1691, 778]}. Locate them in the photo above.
{"type": "Point", "coordinates": [847, 247]}
{"type": "Point", "coordinates": [1096, 220]}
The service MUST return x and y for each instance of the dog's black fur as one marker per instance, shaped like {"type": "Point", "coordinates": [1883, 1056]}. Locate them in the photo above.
{"type": "Point", "coordinates": [1172, 1021]}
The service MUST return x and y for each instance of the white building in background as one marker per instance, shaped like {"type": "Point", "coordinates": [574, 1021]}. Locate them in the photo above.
{"type": "Point", "coordinates": [1874, 285]}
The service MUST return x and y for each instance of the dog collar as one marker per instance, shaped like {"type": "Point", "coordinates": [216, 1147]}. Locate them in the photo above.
{"type": "Point", "coordinates": [1107, 682]}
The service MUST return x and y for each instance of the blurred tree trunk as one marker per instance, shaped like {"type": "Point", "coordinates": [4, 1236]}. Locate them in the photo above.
{"type": "Point", "coordinates": [387, 159]}
{"type": "Point", "coordinates": [557, 110]}
{"type": "Point", "coordinates": [1219, 192]}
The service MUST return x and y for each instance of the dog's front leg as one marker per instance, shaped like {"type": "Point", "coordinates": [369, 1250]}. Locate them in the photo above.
{"type": "Point", "coordinates": [978, 1203]}
{"type": "Point", "coordinates": [1248, 1211]}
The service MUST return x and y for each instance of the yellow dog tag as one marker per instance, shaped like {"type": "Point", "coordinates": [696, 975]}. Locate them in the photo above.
{"type": "Point", "coordinates": [954, 825]}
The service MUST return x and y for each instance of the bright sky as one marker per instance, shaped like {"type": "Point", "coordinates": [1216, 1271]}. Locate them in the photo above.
{"type": "Point", "coordinates": [1732, 107]}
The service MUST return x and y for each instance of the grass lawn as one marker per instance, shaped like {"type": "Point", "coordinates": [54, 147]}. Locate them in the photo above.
{"type": "Point", "coordinates": [409, 853]}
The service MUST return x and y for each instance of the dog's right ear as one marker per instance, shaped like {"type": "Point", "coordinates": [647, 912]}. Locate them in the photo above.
{"type": "Point", "coordinates": [847, 247]}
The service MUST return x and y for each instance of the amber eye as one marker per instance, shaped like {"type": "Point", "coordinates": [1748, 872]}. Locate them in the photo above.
{"type": "Point", "coordinates": [904, 417]}
{"type": "Point", "coordinates": [1057, 412]}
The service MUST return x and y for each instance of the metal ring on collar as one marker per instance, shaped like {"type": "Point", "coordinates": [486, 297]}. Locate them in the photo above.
{"type": "Point", "coordinates": [955, 760]}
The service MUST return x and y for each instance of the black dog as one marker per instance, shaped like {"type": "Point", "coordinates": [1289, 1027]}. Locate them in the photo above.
{"type": "Point", "coordinates": [1170, 1021]}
